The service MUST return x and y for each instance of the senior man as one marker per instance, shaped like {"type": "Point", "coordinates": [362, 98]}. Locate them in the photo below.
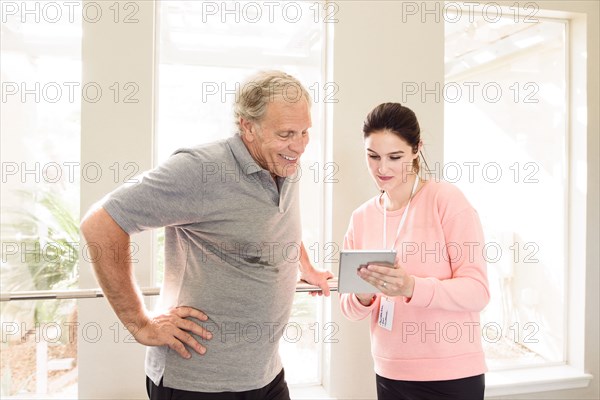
{"type": "Point", "coordinates": [232, 248]}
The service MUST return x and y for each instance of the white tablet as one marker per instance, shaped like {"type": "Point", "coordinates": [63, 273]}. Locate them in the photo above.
{"type": "Point", "coordinates": [350, 262]}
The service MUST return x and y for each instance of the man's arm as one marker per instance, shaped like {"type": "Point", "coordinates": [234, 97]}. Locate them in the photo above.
{"type": "Point", "coordinates": [110, 253]}
{"type": "Point", "coordinates": [312, 275]}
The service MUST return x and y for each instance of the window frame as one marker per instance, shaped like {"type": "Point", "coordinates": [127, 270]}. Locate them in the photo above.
{"type": "Point", "coordinates": [568, 374]}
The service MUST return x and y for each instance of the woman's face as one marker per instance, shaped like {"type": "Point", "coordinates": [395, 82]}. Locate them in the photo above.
{"type": "Point", "coordinates": [389, 159]}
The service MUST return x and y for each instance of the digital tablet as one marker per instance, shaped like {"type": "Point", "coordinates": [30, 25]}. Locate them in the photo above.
{"type": "Point", "coordinates": [350, 262]}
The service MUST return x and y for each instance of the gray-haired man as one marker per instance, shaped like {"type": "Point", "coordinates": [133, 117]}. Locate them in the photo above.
{"type": "Point", "coordinates": [232, 222]}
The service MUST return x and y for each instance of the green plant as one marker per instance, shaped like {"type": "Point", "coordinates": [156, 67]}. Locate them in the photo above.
{"type": "Point", "coordinates": [55, 265]}
{"type": "Point", "coordinates": [45, 234]}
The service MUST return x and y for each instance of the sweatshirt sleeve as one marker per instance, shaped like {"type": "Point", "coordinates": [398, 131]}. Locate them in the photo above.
{"type": "Point", "coordinates": [467, 289]}
{"type": "Point", "coordinates": [351, 307]}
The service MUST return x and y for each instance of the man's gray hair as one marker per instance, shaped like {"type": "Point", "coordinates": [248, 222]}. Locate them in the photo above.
{"type": "Point", "coordinates": [266, 86]}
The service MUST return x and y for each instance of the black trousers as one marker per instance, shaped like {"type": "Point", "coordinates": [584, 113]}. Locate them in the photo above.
{"type": "Point", "coordinates": [470, 388]}
{"type": "Point", "coordinates": [276, 390]}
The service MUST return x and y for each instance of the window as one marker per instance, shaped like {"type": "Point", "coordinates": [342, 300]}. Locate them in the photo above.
{"type": "Point", "coordinates": [506, 146]}
{"type": "Point", "coordinates": [206, 49]}
{"type": "Point", "coordinates": [40, 63]}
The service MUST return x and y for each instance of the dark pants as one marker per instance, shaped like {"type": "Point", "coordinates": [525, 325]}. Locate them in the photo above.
{"type": "Point", "coordinates": [276, 390]}
{"type": "Point", "coordinates": [471, 388]}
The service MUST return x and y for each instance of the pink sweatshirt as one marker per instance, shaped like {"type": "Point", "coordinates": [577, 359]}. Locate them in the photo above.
{"type": "Point", "coordinates": [436, 333]}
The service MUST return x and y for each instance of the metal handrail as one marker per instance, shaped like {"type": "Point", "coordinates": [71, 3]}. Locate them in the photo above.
{"type": "Point", "coordinates": [95, 293]}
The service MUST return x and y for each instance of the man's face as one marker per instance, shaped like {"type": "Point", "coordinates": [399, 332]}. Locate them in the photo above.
{"type": "Point", "coordinates": [279, 139]}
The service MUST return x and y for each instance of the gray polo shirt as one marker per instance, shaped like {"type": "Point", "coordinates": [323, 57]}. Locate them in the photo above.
{"type": "Point", "coordinates": [232, 246]}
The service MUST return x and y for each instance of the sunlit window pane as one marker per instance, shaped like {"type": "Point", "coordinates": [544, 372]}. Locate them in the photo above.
{"type": "Point", "coordinates": [40, 64]}
{"type": "Point", "coordinates": [505, 146]}
{"type": "Point", "coordinates": [39, 349]}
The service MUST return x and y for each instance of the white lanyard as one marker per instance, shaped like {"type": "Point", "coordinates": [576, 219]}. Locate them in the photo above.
{"type": "Point", "coordinates": [414, 189]}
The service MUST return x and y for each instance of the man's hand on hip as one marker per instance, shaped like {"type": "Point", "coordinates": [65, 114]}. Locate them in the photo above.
{"type": "Point", "coordinates": [173, 330]}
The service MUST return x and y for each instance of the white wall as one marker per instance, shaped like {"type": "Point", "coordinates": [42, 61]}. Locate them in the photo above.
{"type": "Point", "coordinates": [115, 52]}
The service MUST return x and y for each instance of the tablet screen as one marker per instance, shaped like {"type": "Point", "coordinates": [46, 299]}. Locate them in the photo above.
{"type": "Point", "coordinates": [350, 262]}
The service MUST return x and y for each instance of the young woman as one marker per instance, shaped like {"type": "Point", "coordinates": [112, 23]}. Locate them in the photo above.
{"type": "Point", "coordinates": [425, 334]}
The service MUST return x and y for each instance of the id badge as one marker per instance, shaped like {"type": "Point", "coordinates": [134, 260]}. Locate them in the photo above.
{"type": "Point", "coordinates": [386, 313]}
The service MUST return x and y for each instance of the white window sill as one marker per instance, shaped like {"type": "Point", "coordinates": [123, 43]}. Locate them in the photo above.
{"type": "Point", "coordinates": [498, 383]}
{"type": "Point", "coordinates": [534, 380]}
{"type": "Point", "coordinates": [309, 393]}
